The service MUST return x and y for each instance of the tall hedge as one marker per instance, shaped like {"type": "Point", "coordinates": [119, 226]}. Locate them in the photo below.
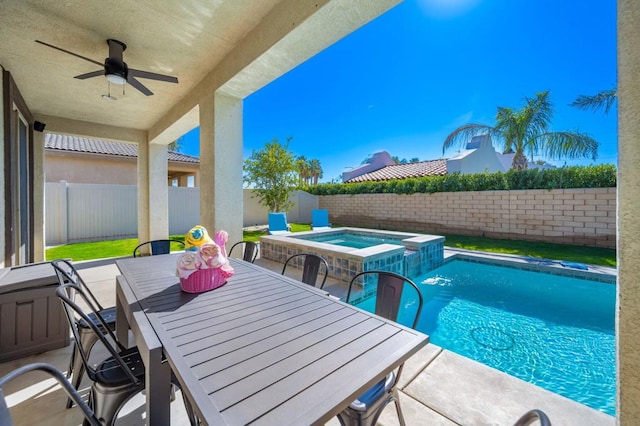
{"type": "Point", "coordinates": [602, 176]}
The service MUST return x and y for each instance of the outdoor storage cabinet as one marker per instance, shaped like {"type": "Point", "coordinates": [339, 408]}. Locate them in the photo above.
{"type": "Point", "coordinates": [31, 316]}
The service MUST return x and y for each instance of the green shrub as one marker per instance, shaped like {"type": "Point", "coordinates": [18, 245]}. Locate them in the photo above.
{"type": "Point", "coordinates": [602, 176]}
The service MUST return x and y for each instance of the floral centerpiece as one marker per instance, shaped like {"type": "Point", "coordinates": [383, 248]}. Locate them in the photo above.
{"type": "Point", "coordinates": [204, 264]}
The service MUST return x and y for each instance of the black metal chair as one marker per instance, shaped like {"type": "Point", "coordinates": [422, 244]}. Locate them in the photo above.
{"type": "Point", "coordinates": [117, 378]}
{"type": "Point", "coordinates": [310, 268]}
{"type": "Point", "coordinates": [86, 338]}
{"type": "Point", "coordinates": [250, 252]}
{"type": "Point", "coordinates": [157, 247]}
{"type": "Point", "coordinates": [5, 416]}
{"type": "Point", "coordinates": [368, 407]}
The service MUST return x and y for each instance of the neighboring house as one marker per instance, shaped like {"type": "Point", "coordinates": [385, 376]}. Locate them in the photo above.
{"type": "Point", "coordinates": [404, 170]}
{"type": "Point", "coordinates": [478, 156]}
{"type": "Point", "coordinates": [376, 162]}
{"type": "Point", "coordinates": [76, 159]}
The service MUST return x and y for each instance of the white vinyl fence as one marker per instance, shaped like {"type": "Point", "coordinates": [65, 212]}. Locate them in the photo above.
{"type": "Point", "coordinates": [88, 212]}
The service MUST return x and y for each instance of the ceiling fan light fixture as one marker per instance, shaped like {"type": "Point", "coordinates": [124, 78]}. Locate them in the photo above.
{"type": "Point", "coordinates": [116, 79]}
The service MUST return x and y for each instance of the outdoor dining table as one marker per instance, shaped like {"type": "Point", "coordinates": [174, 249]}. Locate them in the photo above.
{"type": "Point", "coordinates": [262, 349]}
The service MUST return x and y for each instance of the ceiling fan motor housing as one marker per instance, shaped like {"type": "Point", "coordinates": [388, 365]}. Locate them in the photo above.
{"type": "Point", "coordinates": [114, 69]}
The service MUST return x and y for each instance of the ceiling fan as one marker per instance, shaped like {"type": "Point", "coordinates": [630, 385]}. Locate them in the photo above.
{"type": "Point", "coordinates": [116, 69]}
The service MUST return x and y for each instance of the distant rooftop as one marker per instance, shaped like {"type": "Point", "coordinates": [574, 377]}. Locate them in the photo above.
{"type": "Point", "coordinates": [405, 170]}
{"type": "Point", "coordinates": [55, 141]}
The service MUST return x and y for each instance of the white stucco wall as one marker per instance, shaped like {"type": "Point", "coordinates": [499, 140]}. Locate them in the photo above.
{"type": "Point", "coordinates": [478, 159]}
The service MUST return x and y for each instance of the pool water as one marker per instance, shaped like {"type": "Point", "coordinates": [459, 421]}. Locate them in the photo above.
{"type": "Point", "coordinates": [553, 331]}
{"type": "Point", "coordinates": [355, 241]}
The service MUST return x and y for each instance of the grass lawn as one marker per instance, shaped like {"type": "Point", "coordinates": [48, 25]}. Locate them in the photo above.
{"type": "Point", "coordinates": [100, 249]}
{"type": "Point", "coordinates": [589, 255]}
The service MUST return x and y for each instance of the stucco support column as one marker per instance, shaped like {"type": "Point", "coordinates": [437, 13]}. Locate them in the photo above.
{"type": "Point", "coordinates": [628, 303]}
{"type": "Point", "coordinates": [153, 195]}
{"type": "Point", "coordinates": [158, 192]}
{"type": "Point", "coordinates": [221, 205]}
{"type": "Point", "coordinates": [143, 193]}
{"type": "Point", "coordinates": [38, 197]}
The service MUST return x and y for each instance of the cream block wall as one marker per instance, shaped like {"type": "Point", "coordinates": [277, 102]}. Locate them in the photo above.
{"type": "Point", "coordinates": [569, 216]}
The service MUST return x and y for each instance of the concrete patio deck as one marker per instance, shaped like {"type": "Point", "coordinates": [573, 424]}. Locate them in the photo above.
{"type": "Point", "coordinates": [437, 386]}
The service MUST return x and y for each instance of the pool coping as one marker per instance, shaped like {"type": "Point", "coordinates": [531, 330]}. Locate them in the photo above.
{"type": "Point", "coordinates": [549, 266]}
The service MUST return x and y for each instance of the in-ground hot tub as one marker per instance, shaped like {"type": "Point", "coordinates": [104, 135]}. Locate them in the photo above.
{"type": "Point", "coordinates": [349, 251]}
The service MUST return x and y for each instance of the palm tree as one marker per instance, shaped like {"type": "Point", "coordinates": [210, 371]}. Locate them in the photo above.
{"type": "Point", "coordinates": [527, 130]}
{"type": "Point", "coordinates": [302, 164]}
{"type": "Point", "coordinates": [176, 145]}
{"type": "Point", "coordinates": [600, 100]}
{"type": "Point", "coordinates": [315, 170]}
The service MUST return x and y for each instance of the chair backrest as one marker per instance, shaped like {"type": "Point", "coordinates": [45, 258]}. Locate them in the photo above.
{"type": "Point", "coordinates": [5, 417]}
{"type": "Point", "coordinates": [320, 218]}
{"type": "Point", "coordinates": [95, 323]}
{"type": "Point", "coordinates": [157, 247]}
{"type": "Point", "coordinates": [250, 252]}
{"type": "Point", "coordinates": [310, 268]}
{"type": "Point", "coordinates": [278, 222]}
{"type": "Point", "coordinates": [389, 294]}
{"type": "Point", "coordinates": [67, 273]}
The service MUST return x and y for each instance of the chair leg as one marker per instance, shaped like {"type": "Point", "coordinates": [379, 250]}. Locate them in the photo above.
{"type": "Point", "coordinates": [74, 354]}
{"type": "Point", "coordinates": [87, 340]}
{"type": "Point", "coordinates": [107, 402]}
{"type": "Point", "coordinates": [396, 399]}
{"type": "Point", "coordinates": [193, 418]}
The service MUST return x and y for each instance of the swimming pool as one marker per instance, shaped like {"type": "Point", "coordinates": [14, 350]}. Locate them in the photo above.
{"type": "Point", "coordinates": [356, 241]}
{"type": "Point", "coordinates": [553, 331]}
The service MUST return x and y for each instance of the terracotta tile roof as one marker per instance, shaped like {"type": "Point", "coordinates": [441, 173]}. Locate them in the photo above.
{"type": "Point", "coordinates": [407, 170]}
{"type": "Point", "coordinates": [55, 141]}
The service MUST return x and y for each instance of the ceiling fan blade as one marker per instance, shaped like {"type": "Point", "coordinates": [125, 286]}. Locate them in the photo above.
{"type": "Point", "coordinates": [89, 75]}
{"type": "Point", "coordinates": [141, 87]}
{"type": "Point", "coordinates": [152, 76]}
{"type": "Point", "coordinates": [70, 53]}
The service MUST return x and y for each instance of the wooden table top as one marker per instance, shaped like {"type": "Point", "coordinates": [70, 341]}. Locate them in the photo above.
{"type": "Point", "coordinates": [265, 348]}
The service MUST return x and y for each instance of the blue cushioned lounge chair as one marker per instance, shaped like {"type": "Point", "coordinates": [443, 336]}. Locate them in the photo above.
{"type": "Point", "coordinates": [278, 224]}
{"type": "Point", "coordinates": [320, 219]}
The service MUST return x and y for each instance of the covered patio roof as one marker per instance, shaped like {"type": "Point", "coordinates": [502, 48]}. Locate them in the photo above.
{"type": "Point", "coordinates": [220, 52]}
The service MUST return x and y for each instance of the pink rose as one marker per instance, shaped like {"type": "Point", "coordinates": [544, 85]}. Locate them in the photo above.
{"type": "Point", "coordinates": [188, 263]}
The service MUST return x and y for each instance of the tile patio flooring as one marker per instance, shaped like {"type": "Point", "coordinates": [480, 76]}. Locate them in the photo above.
{"type": "Point", "coordinates": [437, 386]}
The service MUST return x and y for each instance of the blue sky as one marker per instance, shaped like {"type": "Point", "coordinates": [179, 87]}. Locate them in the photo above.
{"type": "Point", "coordinates": [407, 79]}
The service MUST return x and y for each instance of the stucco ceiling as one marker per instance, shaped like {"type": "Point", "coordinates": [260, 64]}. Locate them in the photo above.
{"type": "Point", "coordinates": [232, 47]}
{"type": "Point", "coordinates": [183, 38]}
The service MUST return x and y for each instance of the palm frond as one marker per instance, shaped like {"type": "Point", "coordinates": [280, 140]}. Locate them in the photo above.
{"type": "Point", "coordinates": [558, 145]}
{"type": "Point", "coordinates": [538, 113]}
{"type": "Point", "coordinates": [602, 100]}
{"type": "Point", "coordinates": [463, 134]}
